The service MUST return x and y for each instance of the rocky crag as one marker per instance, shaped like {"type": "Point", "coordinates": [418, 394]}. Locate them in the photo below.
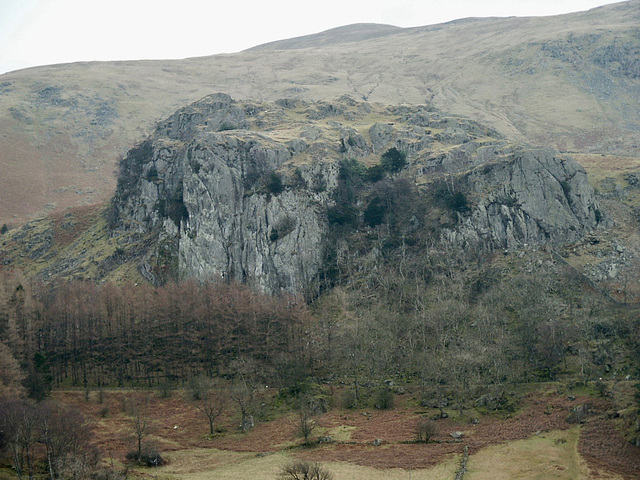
{"type": "Point", "coordinates": [258, 191]}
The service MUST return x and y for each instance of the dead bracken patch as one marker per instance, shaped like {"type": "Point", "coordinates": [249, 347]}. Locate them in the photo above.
{"type": "Point", "coordinates": [178, 426]}
{"type": "Point", "coordinates": [604, 449]}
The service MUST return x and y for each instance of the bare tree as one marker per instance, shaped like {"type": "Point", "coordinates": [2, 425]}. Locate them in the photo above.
{"type": "Point", "coordinates": [141, 426]}
{"type": "Point", "coordinates": [308, 414]}
{"type": "Point", "coordinates": [243, 390]}
{"type": "Point", "coordinates": [243, 396]}
{"type": "Point", "coordinates": [302, 470]}
{"type": "Point", "coordinates": [306, 425]}
{"type": "Point", "coordinates": [210, 397]}
{"type": "Point", "coordinates": [18, 425]}
{"type": "Point", "coordinates": [425, 430]}
{"type": "Point", "coordinates": [11, 374]}
{"type": "Point", "coordinates": [66, 438]}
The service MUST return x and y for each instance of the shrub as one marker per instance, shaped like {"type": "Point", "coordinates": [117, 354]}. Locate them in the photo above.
{"type": "Point", "coordinates": [111, 474]}
{"type": "Point", "coordinates": [374, 213]}
{"type": "Point", "coordinates": [598, 214]}
{"type": "Point", "coordinates": [282, 228]}
{"type": "Point", "coordinates": [226, 126]}
{"type": "Point", "coordinates": [393, 160]}
{"type": "Point", "coordinates": [341, 215]}
{"type": "Point", "coordinates": [601, 387]}
{"type": "Point", "coordinates": [374, 173]}
{"type": "Point", "coordinates": [150, 458]}
{"type": "Point", "coordinates": [350, 400]}
{"type": "Point", "coordinates": [425, 430]}
{"type": "Point", "coordinates": [302, 470]}
{"type": "Point", "coordinates": [352, 170]}
{"type": "Point", "coordinates": [450, 195]}
{"type": "Point", "coordinates": [274, 183]}
{"type": "Point", "coordinates": [385, 399]}
{"type": "Point", "coordinates": [458, 202]}
{"type": "Point", "coordinates": [152, 174]}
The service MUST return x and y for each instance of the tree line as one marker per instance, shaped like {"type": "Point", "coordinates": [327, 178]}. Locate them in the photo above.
{"type": "Point", "coordinates": [452, 329]}
{"type": "Point", "coordinates": [80, 334]}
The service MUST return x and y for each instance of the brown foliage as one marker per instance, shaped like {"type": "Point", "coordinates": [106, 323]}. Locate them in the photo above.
{"type": "Point", "coordinates": [142, 335]}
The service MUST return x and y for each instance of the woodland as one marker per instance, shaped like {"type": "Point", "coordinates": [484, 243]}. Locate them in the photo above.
{"type": "Point", "coordinates": [456, 333]}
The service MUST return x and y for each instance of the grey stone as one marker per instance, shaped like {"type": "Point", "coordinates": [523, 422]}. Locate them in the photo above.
{"type": "Point", "coordinates": [200, 188]}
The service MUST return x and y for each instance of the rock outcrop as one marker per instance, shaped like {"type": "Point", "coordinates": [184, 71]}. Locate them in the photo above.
{"type": "Point", "coordinates": [243, 189]}
{"type": "Point", "coordinates": [532, 196]}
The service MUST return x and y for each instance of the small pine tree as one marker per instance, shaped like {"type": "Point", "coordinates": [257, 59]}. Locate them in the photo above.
{"type": "Point", "coordinates": [274, 183]}
{"type": "Point", "coordinates": [393, 160]}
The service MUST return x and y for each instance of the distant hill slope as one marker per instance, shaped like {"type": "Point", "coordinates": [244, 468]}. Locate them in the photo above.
{"type": "Point", "coordinates": [570, 81]}
{"type": "Point", "coordinates": [350, 33]}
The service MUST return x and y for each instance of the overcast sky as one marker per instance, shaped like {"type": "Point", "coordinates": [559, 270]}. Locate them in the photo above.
{"type": "Point", "coordinates": [41, 32]}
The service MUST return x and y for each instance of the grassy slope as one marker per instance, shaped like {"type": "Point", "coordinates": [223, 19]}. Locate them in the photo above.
{"type": "Point", "coordinates": [207, 463]}
{"type": "Point", "coordinates": [545, 456]}
{"type": "Point", "coordinates": [59, 150]}
{"type": "Point", "coordinates": [544, 445]}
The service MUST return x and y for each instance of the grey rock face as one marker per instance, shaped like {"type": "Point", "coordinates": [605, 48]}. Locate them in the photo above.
{"type": "Point", "coordinates": [533, 196]}
{"type": "Point", "coordinates": [242, 190]}
{"type": "Point", "coordinates": [246, 231]}
{"type": "Point", "coordinates": [227, 202]}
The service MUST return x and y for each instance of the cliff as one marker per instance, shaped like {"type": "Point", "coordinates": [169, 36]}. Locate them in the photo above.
{"type": "Point", "coordinates": [260, 192]}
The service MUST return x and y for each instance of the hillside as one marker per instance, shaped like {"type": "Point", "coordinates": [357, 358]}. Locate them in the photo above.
{"type": "Point", "coordinates": [569, 82]}
{"type": "Point", "coordinates": [274, 192]}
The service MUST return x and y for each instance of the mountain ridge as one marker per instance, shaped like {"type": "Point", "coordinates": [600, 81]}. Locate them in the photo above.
{"type": "Point", "coordinates": [347, 33]}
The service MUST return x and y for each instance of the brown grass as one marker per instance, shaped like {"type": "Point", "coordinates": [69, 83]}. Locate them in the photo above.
{"type": "Point", "coordinates": [529, 435]}
{"type": "Point", "coordinates": [607, 452]}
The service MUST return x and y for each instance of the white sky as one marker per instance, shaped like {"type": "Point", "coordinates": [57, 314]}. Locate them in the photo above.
{"type": "Point", "coordinates": [41, 32]}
